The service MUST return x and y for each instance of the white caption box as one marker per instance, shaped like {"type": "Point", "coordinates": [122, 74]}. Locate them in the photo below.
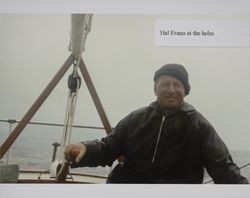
{"type": "Point", "coordinates": [221, 32]}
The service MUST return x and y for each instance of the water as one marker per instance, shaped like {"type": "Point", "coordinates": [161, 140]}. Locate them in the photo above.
{"type": "Point", "coordinates": [240, 158]}
{"type": "Point", "coordinates": [33, 150]}
{"type": "Point", "coordinates": [36, 159]}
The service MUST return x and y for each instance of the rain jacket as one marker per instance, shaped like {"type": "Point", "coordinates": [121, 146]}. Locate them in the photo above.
{"type": "Point", "coordinates": [163, 147]}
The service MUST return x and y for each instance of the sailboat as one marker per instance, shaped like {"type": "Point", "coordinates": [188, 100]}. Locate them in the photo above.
{"type": "Point", "coordinates": [80, 28]}
{"type": "Point", "coordinates": [59, 171]}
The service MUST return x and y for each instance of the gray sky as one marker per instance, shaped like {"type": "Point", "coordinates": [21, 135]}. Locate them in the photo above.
{"type": "Point", "coordinates": [121, 57]}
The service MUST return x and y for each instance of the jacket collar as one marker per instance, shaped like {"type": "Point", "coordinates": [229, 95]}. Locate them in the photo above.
{"type": "Point", "coordinates": [186, 107]}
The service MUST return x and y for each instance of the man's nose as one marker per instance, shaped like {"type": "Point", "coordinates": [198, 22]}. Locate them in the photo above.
{"type": "Point", "coordinates": [171, 88]}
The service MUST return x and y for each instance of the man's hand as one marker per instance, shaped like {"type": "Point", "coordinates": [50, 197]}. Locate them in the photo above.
{"type": "Point", "coordinates": [74, 152]}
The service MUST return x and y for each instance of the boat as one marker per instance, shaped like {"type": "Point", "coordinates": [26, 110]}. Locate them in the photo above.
{"type": "Point", "coordinates": [48, 176]}
{"type": "Point", "coordinates": [59, 169]}
{"type": "Point", "coordinates": [80, 28]}
{"type": "Point", "coordinates": [11, 172]}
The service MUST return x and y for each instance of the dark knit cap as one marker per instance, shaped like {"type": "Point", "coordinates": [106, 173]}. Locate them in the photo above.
{"type": "Point", "coordinates": [176, 70]}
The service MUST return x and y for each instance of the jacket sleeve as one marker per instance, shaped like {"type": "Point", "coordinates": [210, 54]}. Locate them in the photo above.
{"type": "Point", "coordinates": [217, 159]}
{"type": "Point", "coordinates": [105, 151]}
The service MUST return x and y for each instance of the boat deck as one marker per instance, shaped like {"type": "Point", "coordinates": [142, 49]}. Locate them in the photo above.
{"type": "Point", "coordinates": [44, 177]}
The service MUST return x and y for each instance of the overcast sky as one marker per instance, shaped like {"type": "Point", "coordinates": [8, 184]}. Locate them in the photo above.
{"type": "Point", "coordinates": [121, 57]}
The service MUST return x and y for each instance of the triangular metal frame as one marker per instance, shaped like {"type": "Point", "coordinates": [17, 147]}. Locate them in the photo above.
{"type": "Point", "coordinates": [46, 92]}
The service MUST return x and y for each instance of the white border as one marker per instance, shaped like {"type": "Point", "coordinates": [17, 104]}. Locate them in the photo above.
{"type": "Point", "coordinates": [205, 7]}
{"type": "Point", "coordinates": [123, 191]}
{"type": "Point", "coordinates": [208, 7]}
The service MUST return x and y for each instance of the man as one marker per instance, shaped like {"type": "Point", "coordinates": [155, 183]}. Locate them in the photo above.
{"type": "Point", "coordinates": [165, 142]}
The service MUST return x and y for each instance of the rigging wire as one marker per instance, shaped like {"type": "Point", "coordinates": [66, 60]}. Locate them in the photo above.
{"type": "Point", "coordinates": [241, 167]}
{"type": "Point", "coordinates": [52, 124]}
{"type": "Point", "coordinates": [74, 83]}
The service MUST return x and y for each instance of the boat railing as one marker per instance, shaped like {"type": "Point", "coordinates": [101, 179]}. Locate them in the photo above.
{"type": "Point", "coordinates": [46, 169]}
{"type": "Point", "coordinates": [241, 167]}
{"type": "Point", "coordinates": [13, 121]}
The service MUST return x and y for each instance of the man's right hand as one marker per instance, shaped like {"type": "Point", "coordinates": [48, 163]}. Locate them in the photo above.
{"type": "Point", "coordinates": [74, 152]}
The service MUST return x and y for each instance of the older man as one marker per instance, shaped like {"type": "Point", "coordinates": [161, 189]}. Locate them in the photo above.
{"type": "Point", "coordinates": [168, 141]}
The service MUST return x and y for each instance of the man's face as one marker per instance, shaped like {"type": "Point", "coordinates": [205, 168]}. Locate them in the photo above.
{"type": "Point", "coordinates": [169, 92]}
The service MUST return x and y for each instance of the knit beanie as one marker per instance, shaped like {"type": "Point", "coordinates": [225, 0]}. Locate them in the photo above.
{"type": "Point", "coordinates": [176, 70]}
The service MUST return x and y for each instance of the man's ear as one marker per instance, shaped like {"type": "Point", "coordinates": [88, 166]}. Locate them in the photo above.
{"type": "Point", "coordinates": [155, 89]}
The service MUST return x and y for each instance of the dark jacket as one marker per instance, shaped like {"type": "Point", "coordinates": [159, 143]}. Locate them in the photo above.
{"type": "Point", "coordinates": [163, 148]}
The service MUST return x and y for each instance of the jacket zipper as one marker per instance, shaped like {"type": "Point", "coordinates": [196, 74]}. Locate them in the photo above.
{"type": "Point", "coordinates": [158, 138]}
